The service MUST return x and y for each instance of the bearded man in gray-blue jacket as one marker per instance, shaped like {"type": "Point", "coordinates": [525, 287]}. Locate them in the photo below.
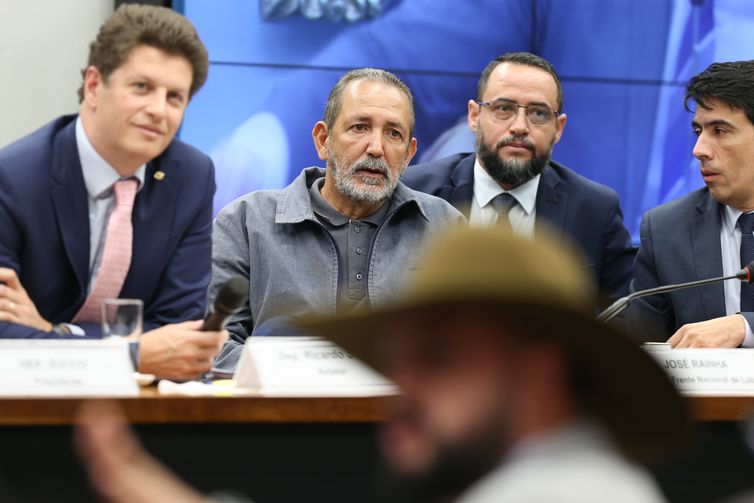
{"type": "Point", "coordinates": [338, 238]}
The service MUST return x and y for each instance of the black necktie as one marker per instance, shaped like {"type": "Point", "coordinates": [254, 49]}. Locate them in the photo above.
{"type": "Point", "coordinates": [503, 204]}
{"type": "Point", "coordinates": [746, 224]}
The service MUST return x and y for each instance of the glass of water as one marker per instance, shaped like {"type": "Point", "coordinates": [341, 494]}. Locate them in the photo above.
{"type": "Point", "coordinates": [121, 318]}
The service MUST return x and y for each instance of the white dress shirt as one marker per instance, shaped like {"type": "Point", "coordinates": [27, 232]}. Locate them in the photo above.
{"type": "Point", "coordinates": [730, 246]}
{"type": "Point", "coordinates": [521, 216]}
{"type": "Point", "coordinates": [99, 178]}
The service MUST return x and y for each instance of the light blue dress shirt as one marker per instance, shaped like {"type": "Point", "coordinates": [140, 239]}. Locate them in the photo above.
{"type": "Point", "coordinates": [730, 246]}
{"type": "Point", "coordinates": [521, 216]}
{"type": "Point", "coordinates": [99, 178]}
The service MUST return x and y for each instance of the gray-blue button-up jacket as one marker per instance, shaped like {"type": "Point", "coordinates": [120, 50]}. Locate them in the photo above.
{"type": "Point", "coordinates": [273, 238]}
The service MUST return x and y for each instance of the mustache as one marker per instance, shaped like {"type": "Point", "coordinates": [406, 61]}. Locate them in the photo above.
{"type": "Point", "coordinates": [372, 164]}
{"type": "Point", "coordinates": [504, 142]}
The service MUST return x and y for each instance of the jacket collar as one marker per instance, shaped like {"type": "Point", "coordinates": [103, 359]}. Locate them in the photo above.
{"type": "Point", "coordinates": [295, 204]}
{"type": "Point", "coordinates": [552, 202]}
{"type": "Point", "coordinates": [708, 258]}
{"type": "Point", "coordinates": [69, 198]}
{"type": "Point", "coordinates": [460, 190]}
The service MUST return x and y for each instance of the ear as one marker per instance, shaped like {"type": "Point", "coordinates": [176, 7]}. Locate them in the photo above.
{"type": "Point", "coordinates": [560, 126]}
{"type": "Point", "coordinates": [473, 115]}
{"type": "Point", "coordinates": [411, 151]}
{"type": "Point", "coordinates": [92, 82]}
{"type": "Point", "coordinates": [320, 134]}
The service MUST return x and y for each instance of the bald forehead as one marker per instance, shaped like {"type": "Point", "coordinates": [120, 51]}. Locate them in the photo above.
{"type": "Point", "coordinates": [523, 79]}
{"type": "Point", "coordinates": [371, 96]}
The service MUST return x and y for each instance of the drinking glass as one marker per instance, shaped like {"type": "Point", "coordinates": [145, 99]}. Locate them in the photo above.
{"type": "Point", "coordinates": [121, 318]}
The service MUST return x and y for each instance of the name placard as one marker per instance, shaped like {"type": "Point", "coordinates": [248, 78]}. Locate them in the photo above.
{"type": "Point", "coordinates": [709, 371]}
{"type": "Point", "coordinates": [66, 368]}
{"type": "Point", "coordinates": [308, 366]}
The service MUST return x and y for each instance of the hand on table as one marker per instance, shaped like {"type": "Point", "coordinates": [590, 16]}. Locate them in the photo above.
{"type": "Point", "coordinates": [724, 332]}
{"type": "Point", "coordinates": [15, 304]}
{"type": "Point", "coordinates": [180, 351]}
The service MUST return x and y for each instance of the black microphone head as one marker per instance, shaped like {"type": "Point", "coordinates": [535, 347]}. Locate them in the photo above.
{"type": "Point", "coordinates": [232, 295]}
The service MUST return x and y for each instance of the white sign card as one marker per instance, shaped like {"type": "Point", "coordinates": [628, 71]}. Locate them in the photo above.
{"type": "Point", "coordinates": [55, 367]}
{"type": "Point", "coordinates": [305, 366]}
{"type": "Point", "coordinates": [709, 371]}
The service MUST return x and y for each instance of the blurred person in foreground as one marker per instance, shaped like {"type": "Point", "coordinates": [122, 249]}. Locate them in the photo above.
{"type": "Point", "coordinates": [107, 203]}
{"type": "Point", "coordinates": [511, 391]}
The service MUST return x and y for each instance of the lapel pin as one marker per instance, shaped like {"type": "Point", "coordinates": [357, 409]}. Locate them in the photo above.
{"type": "Point", "coordinates": [159, 175]}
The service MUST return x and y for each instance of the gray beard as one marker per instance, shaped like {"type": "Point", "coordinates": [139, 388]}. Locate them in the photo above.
{"type": "Point", "coordinates": [370, 191]}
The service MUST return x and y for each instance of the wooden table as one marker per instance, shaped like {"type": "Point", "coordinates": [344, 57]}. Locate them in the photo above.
{"type": "Point", "coordinates": [152, 408]}
{"type": "Point", "coordinates": [299, 449]}
{"type": "Point", "coordinates": [274, 449]}
{"type": "Point", "coordinates": [721, 408]}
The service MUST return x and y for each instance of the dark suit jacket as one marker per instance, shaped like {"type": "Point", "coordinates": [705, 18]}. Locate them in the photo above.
{"type": "Point", "coordinates": [680, 242]}
{"type": "Point", "coordinates": [584, 210]}
{"type": "Point", "coordinates": [44, 229]}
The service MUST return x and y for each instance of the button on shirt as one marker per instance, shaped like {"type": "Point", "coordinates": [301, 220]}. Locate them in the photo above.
{"type": "Point", "coordinates": [521, 216]}
{"type": "Point", "coordinates": [99, 178]}
{"type": "Point", "coordinates": [730, 246]}
{"type": "Point", "coordinates": [353, 239]}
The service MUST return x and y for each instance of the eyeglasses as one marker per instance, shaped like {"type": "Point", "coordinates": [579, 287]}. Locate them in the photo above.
{"type": "Point", "coordinates": [502, 110]}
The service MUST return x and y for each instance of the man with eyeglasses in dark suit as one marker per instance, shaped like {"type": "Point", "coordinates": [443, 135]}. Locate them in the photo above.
{"type": "Point", "coordinates": [517, 119]}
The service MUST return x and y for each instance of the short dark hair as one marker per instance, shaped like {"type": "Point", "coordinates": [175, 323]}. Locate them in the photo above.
{"type": "Point", "coordinates": [133, 25]}
{"type": "Point", "coordinates": [335, 99]}
{"type": "Point", "coordinates": [519, 58]}
{"type": "Point", "coordinates": [731, 82]}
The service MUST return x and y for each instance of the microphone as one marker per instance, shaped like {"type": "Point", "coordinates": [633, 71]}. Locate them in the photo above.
{"type": "Point", "coordinates": [746, 275]}
{"type": "Point", "coordinates": [230, 299]}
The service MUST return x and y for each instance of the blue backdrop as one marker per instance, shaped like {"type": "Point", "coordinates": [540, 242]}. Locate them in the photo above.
{"type": "Point", "coordinates": [623, 64]}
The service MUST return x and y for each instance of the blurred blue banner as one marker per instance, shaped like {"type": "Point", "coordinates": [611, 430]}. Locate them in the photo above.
{"type": "Point", "coordinates": [623, 64]}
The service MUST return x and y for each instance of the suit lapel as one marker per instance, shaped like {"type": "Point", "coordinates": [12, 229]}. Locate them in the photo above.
{"type": "Point", "coordinates": [551, 203]}
{"type": "Point", "coordinates": [153, 218]}
{"type": "Point", "coordinates": [708, 258]}
{"type": "Point", "coordinates": [69, 200]}
{"type": "Point", "coordinates": [460, 189]}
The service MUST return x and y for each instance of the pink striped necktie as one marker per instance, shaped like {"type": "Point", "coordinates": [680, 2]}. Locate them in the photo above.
{"type": "Point", "coordinates": [116, 254]}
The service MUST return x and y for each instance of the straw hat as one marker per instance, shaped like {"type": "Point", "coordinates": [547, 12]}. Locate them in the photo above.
{"type": "Point", "coordinates": [547, 289]}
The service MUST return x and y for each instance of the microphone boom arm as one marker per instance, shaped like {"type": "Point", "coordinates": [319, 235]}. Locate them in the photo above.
{"type": "Point", "coordinates": [619, 305]}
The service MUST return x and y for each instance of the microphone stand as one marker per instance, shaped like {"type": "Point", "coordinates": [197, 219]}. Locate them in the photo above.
{"type": "Point", "coordinates": [622, 303]}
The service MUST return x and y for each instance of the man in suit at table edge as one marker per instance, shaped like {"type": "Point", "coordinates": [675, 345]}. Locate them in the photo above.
{"type": "Point", "coordinates": [89, 203]}
{"type": "Point", "coordinates": [707, 233]}
{"type": "Point", "coordinates": [517, 118]}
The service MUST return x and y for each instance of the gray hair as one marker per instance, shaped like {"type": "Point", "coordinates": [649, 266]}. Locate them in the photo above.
{"type": "Point", "coordinates": [335, 99]}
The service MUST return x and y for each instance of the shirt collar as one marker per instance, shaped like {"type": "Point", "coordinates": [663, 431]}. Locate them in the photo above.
{"type": "Point", "coordinates": [486, 189]}
{"type": "Point", "coordinates": [295, 203]}
{"type": "Point", "coordinates": [730, 218]}
{"type": "Point", "coordinates": [323, 209]}
{"type": "Point", "coordinates": [99, 175]}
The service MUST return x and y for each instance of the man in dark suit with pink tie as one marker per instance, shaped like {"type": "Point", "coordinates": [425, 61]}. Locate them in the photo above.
{"type": "Point", "coordinates": [107, 203]}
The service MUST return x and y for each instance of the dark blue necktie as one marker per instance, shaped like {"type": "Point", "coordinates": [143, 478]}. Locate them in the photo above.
{"type": "Point", "coordinates": [746, 224]}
